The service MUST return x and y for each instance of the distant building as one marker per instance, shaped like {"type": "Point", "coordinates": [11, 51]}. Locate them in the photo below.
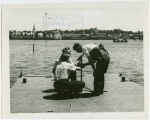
{"type": "Point", "coordinates": [124, 35]}
{"type": "Point", "coordinates": [98, 36]}
{"type": "Point", "coordinates": [17, 32]}
{"type": "Point", "coordinates": [117, 35]}
{"type": "Point", "coordinates": [29, 33]}
{"type": "Point", "coordinates": [56, 35]}
{"type": "Point", "coordinates": [24, 32]}
{"type": "Point", "coordinates": [40, 35]}
{"type": "Point", "coordinates": [131, 36]}
{"type": "Point", "coordinates": [141, 36]}
{"type": "Point", "coordinates": [51, 35]}
{"type": "Point", "coordinates": [138, 34]}
{"type": "Point", "coordinates": [11, 34]}
{"type": "Point", "coordinates": [110, 36]}
{"type": "Point", "coordinates": [47, 36]}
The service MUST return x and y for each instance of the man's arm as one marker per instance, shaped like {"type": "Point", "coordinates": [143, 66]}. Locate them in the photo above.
{"type": "Point", "coordinates": [55, 65]}
{"type": "Point", "coordinates": [78, 68]}
{"type": "Point", "coordinates": [83, 64]}
{"type": "Point", "coordinates": [72, 67]}
{"type": "Point", "coordinates": [86, 52]}
{"type": "Point", "coordinates": [91, 62]}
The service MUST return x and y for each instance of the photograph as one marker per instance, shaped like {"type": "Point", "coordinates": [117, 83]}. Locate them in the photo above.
{"type": "Point", "coordinates": [86, 58]}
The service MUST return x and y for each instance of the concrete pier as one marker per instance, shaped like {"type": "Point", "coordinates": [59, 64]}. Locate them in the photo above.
{"type": "Point", "coordinates": [37, 95]}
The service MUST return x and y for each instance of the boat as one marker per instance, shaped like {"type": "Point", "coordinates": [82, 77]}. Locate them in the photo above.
{"type": "Point", "coordinates": [120, 40]}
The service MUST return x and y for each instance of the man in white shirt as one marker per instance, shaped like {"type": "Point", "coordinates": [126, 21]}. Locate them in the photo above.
{"type": "Point", "coordinates": [62, 74]}
{"type": "Point", "coordinates": [72, 74]}
{"type": "Point", "coordinates": [98, 53]}
{"type": "Point", "coordinates": [63, 70]}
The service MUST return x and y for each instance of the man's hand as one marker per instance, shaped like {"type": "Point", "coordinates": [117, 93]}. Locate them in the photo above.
{"type": "Point", "coordinates": [78, 64]}
{"type": "Point", "coordinates": [81, 65]}
{"type": "Point", "coordinates": [78, 68]}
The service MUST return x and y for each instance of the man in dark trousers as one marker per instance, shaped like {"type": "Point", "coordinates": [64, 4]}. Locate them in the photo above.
{"type": "Point", "coordinates": [95, 52]}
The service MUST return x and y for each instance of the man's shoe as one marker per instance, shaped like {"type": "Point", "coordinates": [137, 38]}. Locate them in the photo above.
{"type": "Point", "coordinates": [95, 93]}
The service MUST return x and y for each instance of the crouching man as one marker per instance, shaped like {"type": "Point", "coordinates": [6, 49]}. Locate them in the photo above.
{"type": "Point", "coordinates": [72, 74]}
{"type": "Point", "coordinates": [62, 71]}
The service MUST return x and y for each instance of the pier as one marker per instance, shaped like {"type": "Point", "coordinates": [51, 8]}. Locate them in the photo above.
{"type": "Point", "coordinates": [37, 95]}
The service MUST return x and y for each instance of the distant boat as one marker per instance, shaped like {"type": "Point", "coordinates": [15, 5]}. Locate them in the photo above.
{"type": "Point", "coordinates": [120, 40]}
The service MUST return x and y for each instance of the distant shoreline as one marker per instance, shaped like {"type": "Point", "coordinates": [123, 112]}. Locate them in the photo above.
{"type": "Point", "coordinates": [70, 39]}
{"type": "Point", "coordinates": [49, 40]}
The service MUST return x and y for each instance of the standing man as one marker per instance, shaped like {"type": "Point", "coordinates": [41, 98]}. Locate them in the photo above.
{"type": "Point", "coordinates": [99, 54]}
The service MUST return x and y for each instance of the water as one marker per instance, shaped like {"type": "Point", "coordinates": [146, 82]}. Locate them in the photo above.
{"type": "Point", "coordinates": [125, 57]}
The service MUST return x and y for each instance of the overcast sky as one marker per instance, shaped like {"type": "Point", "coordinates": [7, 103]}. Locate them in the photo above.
{"type": "Point", "coordinates": [130, 19]}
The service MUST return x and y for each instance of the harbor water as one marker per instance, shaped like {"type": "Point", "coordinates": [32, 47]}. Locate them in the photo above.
{"type": "Point", "coordinates": [125, 58]}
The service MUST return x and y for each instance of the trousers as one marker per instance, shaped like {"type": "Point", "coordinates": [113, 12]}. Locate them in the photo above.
{"type": "Point", "coordinates": [102, 58]}
{"type": "Point", "coordinates": [72, 86]}
{"type": "Point", "coordinates": [99, 79]}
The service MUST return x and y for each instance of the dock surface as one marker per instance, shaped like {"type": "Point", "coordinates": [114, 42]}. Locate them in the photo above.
{"type": "Point", "coordinates": [38, 95]}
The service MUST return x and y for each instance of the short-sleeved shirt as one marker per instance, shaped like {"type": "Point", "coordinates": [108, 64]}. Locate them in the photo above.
{"type": "Point", "coordinates": [87, 48]}
{"type": "Point", "coordinates": [62, 70]}
{"type": "Point", "coordinates": [58, 61]}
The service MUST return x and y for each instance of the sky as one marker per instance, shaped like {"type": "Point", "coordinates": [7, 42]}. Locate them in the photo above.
{"type": "Point", "coordinates": [126, 18]}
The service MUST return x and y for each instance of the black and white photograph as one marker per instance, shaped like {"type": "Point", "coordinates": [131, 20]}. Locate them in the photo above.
{"type": "Point", "coordinates": [78, 59]}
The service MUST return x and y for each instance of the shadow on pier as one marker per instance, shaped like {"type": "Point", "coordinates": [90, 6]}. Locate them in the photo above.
{"type": "Point", "coordinates": [64, 96]}
{"type": "Point", "coordinates": [49, 91]}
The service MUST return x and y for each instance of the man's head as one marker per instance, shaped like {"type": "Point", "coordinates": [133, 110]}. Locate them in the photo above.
{"type": "Point", "coordinates": [65, 57]}
{"type": "Point", "coordinates": [77, 47]}
{"type": "Point", "coordinates": [66, 50]}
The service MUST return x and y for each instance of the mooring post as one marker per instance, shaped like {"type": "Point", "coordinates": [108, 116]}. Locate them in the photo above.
{"type": "Point", "coordinates": [24, 80]}
{"type": "Point", "coordinates": [20, 74]}
{"type": "Point", "coordinates": [123, 79]}
{"type": "Point", "coordinates": [33, 47]}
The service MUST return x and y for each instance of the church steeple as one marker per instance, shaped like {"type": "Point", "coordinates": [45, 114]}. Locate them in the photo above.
{"type": "Point", "coordinates": [33, 28]}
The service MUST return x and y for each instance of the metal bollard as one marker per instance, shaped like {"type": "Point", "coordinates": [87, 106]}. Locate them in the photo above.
{"type": "Point", "coordinates": [24, 80]}
{"type": "Point", "coordinates": [123, 79]}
